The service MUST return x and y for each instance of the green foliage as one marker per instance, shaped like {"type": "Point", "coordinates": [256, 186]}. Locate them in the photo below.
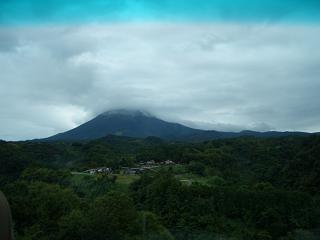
{"type": "Point", "coordinates": [12, 161]}
{"type": "Point", "coordinates": [245, 188]}
{"type": "Point", "coordinates": [152, 228]}
{"type": "Point", "coordinates": [196, 168]}
{"type": "Point", "coordinates": [33, 174]}
{"type": "Point", "coordinates": [74, 226]}
{"type": "Point", "coordinates": [92, 186]}
{"type": "Point", "coordinates": [219, 208]}
{"type": "Point", "coordinates": [216, 181]}
{"type": "Point", "coordinates": [38, 206]}
{"type": "Point", "coordinates": [113, 215]}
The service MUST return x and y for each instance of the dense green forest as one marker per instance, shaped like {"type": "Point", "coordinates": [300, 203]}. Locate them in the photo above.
{"type": "Point", "coordinates": [244, 188]}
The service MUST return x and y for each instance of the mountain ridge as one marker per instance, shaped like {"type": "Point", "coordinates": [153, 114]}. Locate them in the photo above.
{"type": "Point", "coordinates": [142, 124]}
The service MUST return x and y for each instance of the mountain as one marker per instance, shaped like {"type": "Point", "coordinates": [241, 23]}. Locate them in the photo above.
{"type": "Point", "coordinates": [140, 124]}
{"type": "Point", "coordinates": [125, 123]}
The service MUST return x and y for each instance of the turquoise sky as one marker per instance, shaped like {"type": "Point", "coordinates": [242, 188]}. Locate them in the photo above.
{"type": "Point", "coordinates": [79, 11]}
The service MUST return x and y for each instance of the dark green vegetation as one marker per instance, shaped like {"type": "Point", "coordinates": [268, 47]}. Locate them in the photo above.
{"type": "Point", "coordinates": [244, 188]}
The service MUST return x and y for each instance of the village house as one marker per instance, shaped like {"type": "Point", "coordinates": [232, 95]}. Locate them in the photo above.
{"type": "Point", "coordinates": [99, 170]}
{"type": "Point", "coordinates": [168, 162]}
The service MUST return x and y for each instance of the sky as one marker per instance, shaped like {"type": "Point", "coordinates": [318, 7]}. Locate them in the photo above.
{"type": "Point", "coordinates": [209, 64]}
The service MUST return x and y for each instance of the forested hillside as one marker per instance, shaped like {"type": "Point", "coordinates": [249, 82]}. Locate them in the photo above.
{"type": "Point", "coordinates": [242, 188]}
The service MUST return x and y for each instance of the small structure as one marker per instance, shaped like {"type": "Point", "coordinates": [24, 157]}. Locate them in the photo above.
{"type": "Point", "coordinates": [151, 162]}
{"type": "Point", "coordinates": [168, 162]}
{"type": "Point", "coordinates": [99, 170]}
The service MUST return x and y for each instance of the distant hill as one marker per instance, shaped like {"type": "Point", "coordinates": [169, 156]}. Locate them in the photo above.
{"type": "Point", "coordinates": [139, 124]}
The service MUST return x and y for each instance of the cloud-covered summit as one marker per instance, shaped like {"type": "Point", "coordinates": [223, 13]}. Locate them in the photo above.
{"type": "Point", "coordinates": [211, 76]}
{"type": "Point", "coordinates": [213, 64]}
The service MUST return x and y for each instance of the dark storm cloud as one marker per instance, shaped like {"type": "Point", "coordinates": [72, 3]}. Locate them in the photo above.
{"type": "Point", "coordinates": [212, 76]}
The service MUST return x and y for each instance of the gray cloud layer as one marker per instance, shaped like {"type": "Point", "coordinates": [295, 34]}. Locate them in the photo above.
{"type": "Point", "coordinates": [211, 76]}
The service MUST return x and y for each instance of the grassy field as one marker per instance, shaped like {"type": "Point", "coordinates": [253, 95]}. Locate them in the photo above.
{"type": "Point", "coordinates": [184, 176]}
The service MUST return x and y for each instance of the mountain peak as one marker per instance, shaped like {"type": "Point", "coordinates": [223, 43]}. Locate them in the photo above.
{"type": "Point", "coordinates": [127, 112]}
